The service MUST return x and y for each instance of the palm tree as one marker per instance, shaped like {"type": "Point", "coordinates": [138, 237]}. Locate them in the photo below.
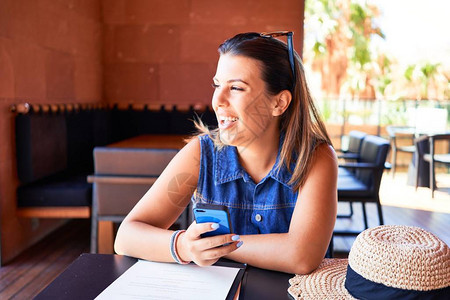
{"type": "Point", "coordinates": [423, 74]}
{"type": "Point", "coordinates": [429, 72]}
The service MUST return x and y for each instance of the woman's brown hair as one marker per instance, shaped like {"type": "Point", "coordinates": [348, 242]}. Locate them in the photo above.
{"type": "Point", "coordinates": [301, 124]}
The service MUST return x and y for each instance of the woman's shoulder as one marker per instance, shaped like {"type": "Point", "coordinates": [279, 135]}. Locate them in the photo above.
{"type": "Point", "coordinates": [200, 145]}
{"type": "Point", "coordinates": [191, 149]}
{"type": "Point", "coordinates": [199, 139]}
{"type": "Point", "coordinates": [325, 148]}
{"type": "Point", "coordinates": [325, 152]}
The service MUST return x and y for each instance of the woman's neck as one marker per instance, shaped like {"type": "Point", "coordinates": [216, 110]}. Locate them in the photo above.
{"type": "Point", "coordinates": [259, 157]}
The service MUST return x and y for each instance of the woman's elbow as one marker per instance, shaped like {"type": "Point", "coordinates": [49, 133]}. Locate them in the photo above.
{"type": "Point", "coordinates": [118, 247]}
{"type": "Point", "coordinates": [119, 242]}
{"type": "Point", "coordinates": [304, 267]}
{"type": "Point", "coordinates": [305, 262]}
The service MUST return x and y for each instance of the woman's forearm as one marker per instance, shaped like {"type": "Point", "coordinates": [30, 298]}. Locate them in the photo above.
{"type": "Point", "coordinates": [278, 252]}
{"type": "Point", "coordinates": [143, 241]}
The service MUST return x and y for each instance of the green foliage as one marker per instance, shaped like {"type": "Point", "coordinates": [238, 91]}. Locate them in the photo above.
{"type": "Point", "coordinates": [350, 27]}
{"type": "Point", "coordinates": [422, 73]}
{"type": "Point", "coordinates": [362, 28]}
{"type": "Point", "coordinates": [429, 70]}
{"type": "Point", "coordinates": [358, 16]}
{"type": "Point", "coordinates": [355, 31]}
{"type": "Point", "coordinates": [409, 72]}
{"type": "Point", "coordinates": [326, 110]}
{"type": "Point", "coordinates": [324, 14]}
{"type": "Point", "coordinates": [395, 114]}
{"type": "Point", "coordinates": [383, 82]}
{"type": "Point", "coordinates": [319, 48]}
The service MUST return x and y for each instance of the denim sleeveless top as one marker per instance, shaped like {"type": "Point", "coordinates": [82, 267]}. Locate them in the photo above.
{"type": "Point", "coordinates": [265, 207]}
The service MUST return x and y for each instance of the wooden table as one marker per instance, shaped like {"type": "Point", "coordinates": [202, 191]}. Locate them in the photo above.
{"type": "Point", "coordinates": [119, 166]}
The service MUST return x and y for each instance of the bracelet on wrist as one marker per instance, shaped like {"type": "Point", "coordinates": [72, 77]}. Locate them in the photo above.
{"type": "Point", "coordinates": [173, 247]}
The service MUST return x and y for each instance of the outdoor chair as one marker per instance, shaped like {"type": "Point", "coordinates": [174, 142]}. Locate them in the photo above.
{"type": "Point", "coordinates": [354, 145]}
{"type": "Point", "coordinates": [351, 154]}
{"type": "Point", "coordinates": [363, 184]}
{"type": "Point", "coordinates": [402, 140]}
{"type": "Point", "coordinates": [431, 156]}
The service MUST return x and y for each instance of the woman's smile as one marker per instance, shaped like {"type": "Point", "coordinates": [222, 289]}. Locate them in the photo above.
{"type": "Point", "coordinates": [226, 122]}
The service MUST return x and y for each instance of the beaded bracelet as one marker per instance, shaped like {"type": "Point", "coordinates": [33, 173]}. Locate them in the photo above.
{"type": "Point", "coordinates": [173, 247]}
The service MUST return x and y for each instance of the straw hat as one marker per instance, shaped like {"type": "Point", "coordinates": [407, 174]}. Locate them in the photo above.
{"type": "Point", "coordinates": [385, 262]}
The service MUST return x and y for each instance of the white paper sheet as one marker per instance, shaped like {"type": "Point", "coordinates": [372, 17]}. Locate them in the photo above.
{"type": "Point", "coordinates": [153, 280]}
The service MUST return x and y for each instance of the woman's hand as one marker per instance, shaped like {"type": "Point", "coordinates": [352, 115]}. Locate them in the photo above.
{"type": "Point", "coordinates": [205, 251]}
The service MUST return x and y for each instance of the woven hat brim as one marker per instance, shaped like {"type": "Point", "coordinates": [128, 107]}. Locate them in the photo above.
{"type": "Point", "coordinates": [326, 282]}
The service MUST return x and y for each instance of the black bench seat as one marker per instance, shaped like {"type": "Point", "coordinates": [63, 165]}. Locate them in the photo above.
{"type": "Point", "coordinates": [62, 189]}
{"type": "Point", "coordinates": [54, 149]}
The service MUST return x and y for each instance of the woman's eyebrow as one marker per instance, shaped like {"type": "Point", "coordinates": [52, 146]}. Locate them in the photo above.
{"type": "Point", "coordinates": [232, 80]}
{"type": "Point", "coordinates": [237, 80]}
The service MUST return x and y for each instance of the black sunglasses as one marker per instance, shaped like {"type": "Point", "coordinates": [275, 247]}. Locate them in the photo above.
{"type": "Point", "coordinates": [290, 45]}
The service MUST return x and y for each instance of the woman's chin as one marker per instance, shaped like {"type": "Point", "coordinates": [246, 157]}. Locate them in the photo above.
{"type": "Point", "coordinates": [226, 139]}
{"type": "Point", "coordinates": [232, 140]}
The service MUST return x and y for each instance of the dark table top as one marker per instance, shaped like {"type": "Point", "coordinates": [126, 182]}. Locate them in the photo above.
{"type": "Point", "coordinates": [90, 274]}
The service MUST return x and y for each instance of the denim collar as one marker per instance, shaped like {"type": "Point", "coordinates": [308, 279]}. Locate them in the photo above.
{"type": "Point", "coordinates": [227, 167]}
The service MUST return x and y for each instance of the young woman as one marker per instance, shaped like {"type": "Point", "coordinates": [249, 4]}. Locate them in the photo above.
{"type": "Point", "coordinates": [270, 161]}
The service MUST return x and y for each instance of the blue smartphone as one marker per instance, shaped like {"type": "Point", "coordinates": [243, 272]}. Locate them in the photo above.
{"type": "Point", "coordinates": [204, 213]}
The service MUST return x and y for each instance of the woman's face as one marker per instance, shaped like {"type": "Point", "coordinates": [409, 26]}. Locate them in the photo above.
{"type": "Point", "coordinates": [242, 105]}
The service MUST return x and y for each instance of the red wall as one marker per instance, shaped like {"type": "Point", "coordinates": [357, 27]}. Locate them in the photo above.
{"type": "Point", "coordinates": [133, 51]}
{"type": "Point", "coordinates": [165, 51]}
{"type": "Point", "coordinates": [50, 52]}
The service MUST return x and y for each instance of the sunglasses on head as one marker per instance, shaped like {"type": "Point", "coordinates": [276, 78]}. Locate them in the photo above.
{"type": "Point", "coordinates": [290, 45]}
